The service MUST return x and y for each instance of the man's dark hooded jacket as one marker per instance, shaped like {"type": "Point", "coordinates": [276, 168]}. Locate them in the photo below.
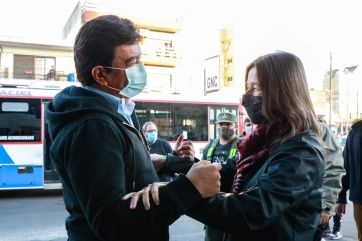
{"type": "Point", "coordinates": [100, 158]}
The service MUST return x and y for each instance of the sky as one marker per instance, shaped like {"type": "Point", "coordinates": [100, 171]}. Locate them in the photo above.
{"type": "Point", "coordinates": [312, 29]}
{"type": "Point", "coordinates": [34, 18]}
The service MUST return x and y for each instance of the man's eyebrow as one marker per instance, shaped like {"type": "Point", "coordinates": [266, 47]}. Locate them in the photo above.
{"type": "Point", "coordinates": [131, 59]}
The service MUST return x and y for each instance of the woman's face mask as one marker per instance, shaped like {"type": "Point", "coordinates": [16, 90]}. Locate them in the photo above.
{"type": "Point", "coordinates": [253, 107]}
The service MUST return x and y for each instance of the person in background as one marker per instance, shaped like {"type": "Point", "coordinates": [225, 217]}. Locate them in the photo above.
{"type": "Point", "coordinates": [51, 74]}
{"type": "Point", "coordinates": [333, 172]}
{"type": "Point", "coordinates": [336, 232]}
{"type": "Point", "coordinates": [276, 193]}
{"type": "Point", "coordinates": [166, 164]}
{"type": "Point", "coordinates": [222, 150]}
{"type": "Point", "coordinates": [156, 145]}
{"type": "Point", "coordinates": [97, 147]}
{"type": "Point", "coordinates": [352, 154]}
{"type": "Point", "coordinates": [248, 127]}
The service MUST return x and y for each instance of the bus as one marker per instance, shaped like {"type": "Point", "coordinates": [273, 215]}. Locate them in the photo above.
{"type": "Point", "coordinates": [193, 117]}
{"type": "Point", "coordinates": [25, 142]}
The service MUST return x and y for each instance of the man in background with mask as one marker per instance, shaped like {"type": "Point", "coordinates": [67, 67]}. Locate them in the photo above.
{"type": "Point", "coordinates": [223, 150]}
{"type": "Point", "coordinates": [165, 163]}
{"type": "Point", "coordinates": [156, 145]}
{"type": "Point", "coordinates": [99, 151]}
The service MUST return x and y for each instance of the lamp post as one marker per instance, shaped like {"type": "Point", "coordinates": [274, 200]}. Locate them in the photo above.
{"type": "Point", "coordinates": [349, 70]}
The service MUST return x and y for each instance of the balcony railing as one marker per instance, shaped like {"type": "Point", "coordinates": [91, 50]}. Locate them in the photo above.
{"type": "Point", "coordinates": [31, 74]}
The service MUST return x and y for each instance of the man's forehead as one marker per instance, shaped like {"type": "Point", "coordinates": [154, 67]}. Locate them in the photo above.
{"type": "Point", "coordinates": [151, 126]}
{"type": "Point", "coordinates": [127, 52]}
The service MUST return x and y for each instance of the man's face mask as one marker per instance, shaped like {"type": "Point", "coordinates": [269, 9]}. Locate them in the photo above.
{"type": "Point", "coordinates": [152, 136]}
{"type": "Point", "coordinates": [225, 133]}
{"type": "Point", "coordinates": [253, 107]}
{"type": "Point", "coordinates": [137, 80]}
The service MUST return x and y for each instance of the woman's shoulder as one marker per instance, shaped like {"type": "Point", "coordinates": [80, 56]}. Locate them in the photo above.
{"type": "Point", "coordinates": [307, 140]}
{"type": "Point", "coordinates": [302, 150]}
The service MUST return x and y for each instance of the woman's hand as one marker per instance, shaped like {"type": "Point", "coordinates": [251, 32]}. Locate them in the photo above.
{"type": "Point", "coordinates": [145, 193]}
{"type": "Point", "coordinates": [205, 177]}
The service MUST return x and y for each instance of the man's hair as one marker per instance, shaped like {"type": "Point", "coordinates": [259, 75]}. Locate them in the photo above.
{"type": "Point", "coordinates": [145, 125]}
{"type": "Point", "coordinates": [96, 41]}
{"type": "Point", "coordinates": [286, 99]}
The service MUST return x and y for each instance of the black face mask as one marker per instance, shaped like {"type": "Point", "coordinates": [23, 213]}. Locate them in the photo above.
{"type": "Point", "coordinates": [225, 133]}
{"type": "Point", "coordinates": [253, 106]}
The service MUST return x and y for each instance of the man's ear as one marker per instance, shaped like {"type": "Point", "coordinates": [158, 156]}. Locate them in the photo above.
{"type": "Point", "coordinates": [99, 76]}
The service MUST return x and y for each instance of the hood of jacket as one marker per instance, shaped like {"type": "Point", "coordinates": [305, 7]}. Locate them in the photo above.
{"type": "Point", "coordinates": [357, 125]}
{"type": "Point", "coordinates": [73, 103]}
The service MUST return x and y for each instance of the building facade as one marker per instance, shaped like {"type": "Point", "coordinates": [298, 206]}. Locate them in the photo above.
{"type": "Point", "coordinates": [29, 60]}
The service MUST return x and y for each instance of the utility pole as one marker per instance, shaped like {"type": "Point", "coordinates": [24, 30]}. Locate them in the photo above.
{"type": "Point", "coordinates": [348, 115]}
{"type": "Point", "coordinates": [330, 89]}
{"type": "Point", "coordinates": [357, 114]}
{"type": "Point", "coordinates": [349, 71]}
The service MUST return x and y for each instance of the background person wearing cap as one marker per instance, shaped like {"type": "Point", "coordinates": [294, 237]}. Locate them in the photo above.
{"type": "Point", "coordinates": [222, 150]}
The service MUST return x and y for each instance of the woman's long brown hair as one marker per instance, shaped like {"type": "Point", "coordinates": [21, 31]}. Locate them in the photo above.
{"type": "Point", "coordinates": [286, 100]}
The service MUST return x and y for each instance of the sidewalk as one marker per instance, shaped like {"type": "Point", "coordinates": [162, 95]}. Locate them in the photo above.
{"type": "Point", "coordinates": [346, 239]}
{"type": "Point", "coordinates": [342, 239]}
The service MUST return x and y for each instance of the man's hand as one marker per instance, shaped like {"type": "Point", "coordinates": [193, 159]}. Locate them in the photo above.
{"type": "Point", "coordinates": [324, 217]}
{"type": "Point", "coordinates": [341, 209]}
{"type": "Point", "coordinates": [205, 177]}
{"type": "Point", "coordinates": [184, 149]}
{"type": "Point", "coordinates": [158, 161]}
{"type": "Point", "coordinates": [145, 193]}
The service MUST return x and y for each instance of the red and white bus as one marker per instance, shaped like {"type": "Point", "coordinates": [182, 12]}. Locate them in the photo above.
{"type": "Point", "coordinates": [24, 138]}
{"type": "Point", "coordinates": [195, 117]}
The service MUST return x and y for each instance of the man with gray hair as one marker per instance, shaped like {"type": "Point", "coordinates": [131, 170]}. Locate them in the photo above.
{"type": "Point", "coordinates": [158, 146]}
{"type": "Point", "coordinates": [164, 161]}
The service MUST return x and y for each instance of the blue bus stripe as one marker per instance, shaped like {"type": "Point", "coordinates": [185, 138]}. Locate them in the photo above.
{"type": "Point", "coordinates": [4, 156]}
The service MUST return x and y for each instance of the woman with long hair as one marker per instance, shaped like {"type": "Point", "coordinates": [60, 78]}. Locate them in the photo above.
{"type": "Point", "coordinates": [275, 194]}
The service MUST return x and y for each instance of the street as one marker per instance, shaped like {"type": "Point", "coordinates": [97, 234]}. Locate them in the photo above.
{"type": "Point", "coordinates": [39, 216]}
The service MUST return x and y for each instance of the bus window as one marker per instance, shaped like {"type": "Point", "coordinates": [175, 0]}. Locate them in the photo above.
{"type": "Point", "coordinates": [160, 113]}
{"type": "Point", "coordinates": [20, 120]}
{"type": "Point", "coordinates": [15, 107]}
{"type": "Point", "coordinates": [193, 120]}
{"type": "Point", "coordinates": [172, 119]}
